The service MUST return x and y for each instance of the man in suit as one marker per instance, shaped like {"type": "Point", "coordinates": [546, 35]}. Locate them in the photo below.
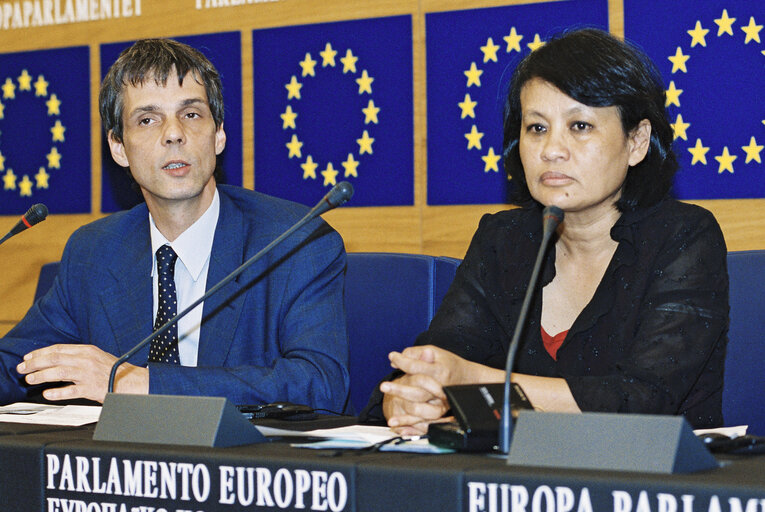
{"type": "Point", "coordinates": [276, 333]}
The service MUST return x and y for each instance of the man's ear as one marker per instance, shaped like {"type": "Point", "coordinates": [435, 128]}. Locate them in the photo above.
{"type": "Point", "coordinates": [639, 142]}
{"type": "Point", "coordinates": [117, 149]}
{"type": "Point", "coordinates": [220, 140]}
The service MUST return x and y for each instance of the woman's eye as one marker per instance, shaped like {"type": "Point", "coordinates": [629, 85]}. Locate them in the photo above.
{"type": "Point", "coordinates": [581, 126]}
{"type": "Point", "coordinates": [535, 128]}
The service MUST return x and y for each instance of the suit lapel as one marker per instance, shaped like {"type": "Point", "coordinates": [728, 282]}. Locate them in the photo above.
{"type": "Point", "coordinates": [127, 299]}
{"type": "Point", "coordinates": [221, 312]}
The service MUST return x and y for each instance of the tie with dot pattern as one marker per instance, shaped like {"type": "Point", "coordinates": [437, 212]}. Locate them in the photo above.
{"type": "Point", "coordinates": [164, 348]}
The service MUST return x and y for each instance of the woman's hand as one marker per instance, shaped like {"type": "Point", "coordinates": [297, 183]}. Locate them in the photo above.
{"type": "Point", "coordinates": [412, 402]}
{"type": "Point", "coordinates": [417, 399]}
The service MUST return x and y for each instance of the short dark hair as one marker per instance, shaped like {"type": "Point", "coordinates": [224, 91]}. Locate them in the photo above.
{"type": "Point", "coordinates": [156, 59]}
{"type": "Point", "coordinates": [597, 69]}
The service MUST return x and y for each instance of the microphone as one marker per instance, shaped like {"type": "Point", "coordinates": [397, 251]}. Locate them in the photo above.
{"type": "Point", "coordinates": [339, 194]}
{"type": "Point", "coordinates": [36, 214]}
{"type": "Point", "coordinates": [552, 216]}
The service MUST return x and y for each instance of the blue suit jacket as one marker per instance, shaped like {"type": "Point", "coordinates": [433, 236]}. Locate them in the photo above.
{"type": "Point", "coordinates": [275, 333]}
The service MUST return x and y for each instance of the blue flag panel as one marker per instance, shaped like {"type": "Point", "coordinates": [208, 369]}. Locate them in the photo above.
{"type": "Point", "coordinates": [471, 55]}
{"type": "Point", "coordinates": [333, 102]}
{"type": "Point", "coordinates": [45, 130]}
{"type": "Point", "coordinates": [118, 190]}
{"type": "Point", "coordinates": [712, 58]}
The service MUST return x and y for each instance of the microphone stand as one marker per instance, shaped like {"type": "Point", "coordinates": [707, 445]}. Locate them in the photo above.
{"type": "Point", "coordinates": [552, 216]}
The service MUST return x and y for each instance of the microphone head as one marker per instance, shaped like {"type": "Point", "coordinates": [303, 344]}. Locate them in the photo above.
{"type": "Point", "coordinates": [36, 213]}
{"type": "Point", "coordinates": [339, 194]}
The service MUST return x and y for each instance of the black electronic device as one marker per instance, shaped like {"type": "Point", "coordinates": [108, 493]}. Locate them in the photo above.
{"type": "Point", "coordinates": [477, 410]}
{"type": "Point", "coordinates": [278, 410]}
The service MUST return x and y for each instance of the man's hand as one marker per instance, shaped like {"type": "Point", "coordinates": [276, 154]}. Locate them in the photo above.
{"type": "Point", "coordinates": [84, 369]}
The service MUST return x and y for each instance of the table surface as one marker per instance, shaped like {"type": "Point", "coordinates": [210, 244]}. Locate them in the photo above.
{"type": "Point", "coordinates": [58, 469]}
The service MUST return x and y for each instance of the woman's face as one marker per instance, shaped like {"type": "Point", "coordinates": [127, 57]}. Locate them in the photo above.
{"type": "Point", "coordinates": [575, 156]}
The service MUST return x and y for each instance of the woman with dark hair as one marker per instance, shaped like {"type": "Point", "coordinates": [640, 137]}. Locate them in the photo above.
{"type": "Point", "coordinates": [631, 312]}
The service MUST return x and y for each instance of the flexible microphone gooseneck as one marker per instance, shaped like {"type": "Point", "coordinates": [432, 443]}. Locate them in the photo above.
{"type": "Point", "coordinates": [35, 214]}
{"type": "Point", "coordinates": [339, 194]}
{"type": "Point", "coordinates": [552, 216]}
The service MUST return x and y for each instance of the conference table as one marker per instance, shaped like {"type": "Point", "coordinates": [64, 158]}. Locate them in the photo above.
{"type": "Point", "coordinates": [51, 469]}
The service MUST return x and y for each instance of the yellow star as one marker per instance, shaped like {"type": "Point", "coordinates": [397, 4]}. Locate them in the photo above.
{"type": "Point", "coordinates": [726, 161]}
{"type": "Point", "coordinates": [513, 41]}
{"type": "Point", "coordinates": [54, 158]}
{"type": "Point", "coordinates": [490, 160]}
{"type": "Point", "coordinates": [725, 24]}
{"type": "Point", "coordinates": [25, 81]}
{"type": "Point", "coordinates": [698, 34]}
{"type": "Point", "coordinates": [752, 151]}
{"type": "Point", "coordinates": [41, 86]}
{"type": "Point", "coordinates": [752, 31]}
{"type": "Point", "coordinates": [328, 56]}
{"type": "Point", "coordinates": [308, 65]}
{"type": "Point", "coordinates": [467, 106]}
{"type": "Point", "coordinates": [293, 88]}
{"type": "Point", "coordinates": [58, 131]}
{"type": "Point", "coordinates": [9, 180]}
{"type": "Point", "coordinates": [365, 82]}
{"type": "Point", "coordinates": [42, 178]}
{"type": "Point", "coordinates": [25, 187]}
{"type": "Point", "coordinates": [473, 75]}
{"type": "Point", "coordinates": [490, 51]}
{"type": "Point", "coordinates": [699, 152]}
{"type": "Point", "coordinates": [294, 146]}
{"type": "Point", "coordinates": [474, 138]}
{"type": "Point", "coordinates": [351, 167]}
{"type": "Point", "coordinates": [680, 127]}
{"type": "Point", "coordinates": [349, 62]}
{"type": "Point", "coordinates": [678, 61]}
{"type": "Point", "coordinates": [370, 113]}
{"type": "Point", "coordinates": [309, 168]}
{"type": "Point", "coordinates": [673, 95]}
{"type": "Point", "coordinates": [2, 162]}
{"type": "Point", "coordinates": [365, 143]}
{"type": "Point", "coordinates": [536, 43]}
{"type": "Point", "coordinates": [54, 105]}
{"type": "Point", "coordinates": [9, 89]}
{"type": "Point", "coordinates": [330, 175]}
{"type": "Point", "coordinates": [288, 118]}
{"type": "Point", "coordinates": [2, 110]}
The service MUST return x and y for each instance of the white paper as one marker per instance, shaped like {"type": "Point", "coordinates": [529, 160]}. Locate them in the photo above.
{"type": "Point", "coordinates": [363, 433]}
{"type": "Point", "coordinates": [42, 414]}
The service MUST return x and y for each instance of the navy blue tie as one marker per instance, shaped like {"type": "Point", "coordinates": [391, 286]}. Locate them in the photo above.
{"type": "Point", "coordinates": [164, 348]}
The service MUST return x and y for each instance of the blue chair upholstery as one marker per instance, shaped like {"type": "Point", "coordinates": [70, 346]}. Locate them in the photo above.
{"type": "Point", "coordinates": [390, 298]}
{"type": "Point", "coordinates": [744, 386]}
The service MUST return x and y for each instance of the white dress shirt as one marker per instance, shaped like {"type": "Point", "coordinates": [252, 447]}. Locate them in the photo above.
{"type": "Point", "coordinates": [193, 248]}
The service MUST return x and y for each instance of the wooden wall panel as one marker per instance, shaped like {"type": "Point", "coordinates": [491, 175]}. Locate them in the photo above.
{"type": "Point", "coordinates": [442, 230]}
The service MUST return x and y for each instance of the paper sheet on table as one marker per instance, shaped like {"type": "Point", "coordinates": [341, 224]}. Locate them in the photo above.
{"type": "Point", "coordinates": [739, 430]}
{"type": "Point", "coordinates": [356, 437]}
{"type": "Point", "coordinates": [43, 414]}
{"type": "Point", "coordinates": [362, 433]}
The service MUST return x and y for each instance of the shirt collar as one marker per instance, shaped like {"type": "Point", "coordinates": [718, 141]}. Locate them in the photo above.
{"type": "Point", "coordinates": [194, 245]}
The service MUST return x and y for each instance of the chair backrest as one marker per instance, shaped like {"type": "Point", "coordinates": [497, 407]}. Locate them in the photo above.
{"type": "Point", "coordinates": [744, 386]}
{"type": "Point", "coordinates": [48, 273]}
{"type": "Point", "coordinates": [390, 298]}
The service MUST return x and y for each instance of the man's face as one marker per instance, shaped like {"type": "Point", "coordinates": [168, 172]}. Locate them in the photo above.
{"type": "Point", "coordinates": [169, 141]}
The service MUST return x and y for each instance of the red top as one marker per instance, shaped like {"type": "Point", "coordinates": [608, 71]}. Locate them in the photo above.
{"type": "Point", "coordinates": [553, 343]}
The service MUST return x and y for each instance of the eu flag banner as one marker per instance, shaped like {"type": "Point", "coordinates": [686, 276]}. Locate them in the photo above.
{"type": "Point", "coordinates": [118, 190]}
{"type": "Point", "coordinates": [712, 58]}
{"type": "Point", "coordinates": [470, 57]}
{"type": "Point", "coordinates": [45, 130]}
{"type": "Point", "coordinates": [333, 102]}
